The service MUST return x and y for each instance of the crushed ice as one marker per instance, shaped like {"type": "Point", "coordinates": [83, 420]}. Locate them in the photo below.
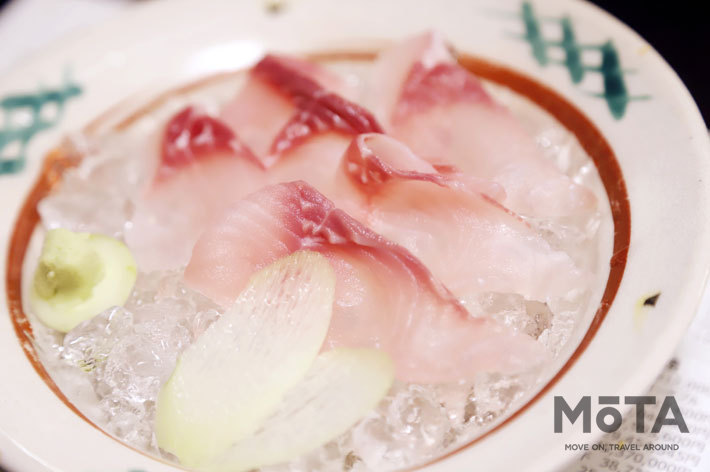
{"type": "Point", "coordinates": [128, 352]}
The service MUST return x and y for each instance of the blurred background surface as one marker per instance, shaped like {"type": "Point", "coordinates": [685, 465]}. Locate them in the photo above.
{"type": "Point", "coordinates": [678, 30]}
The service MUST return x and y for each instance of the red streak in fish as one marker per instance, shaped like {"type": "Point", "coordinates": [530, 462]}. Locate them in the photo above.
{"type": "Point", "coordinates": [369, 171]}
{"type": "Point", "coordinates": [442, 84]}
{"type": "Point", "coordinates": [318, 109]}
{"type": "Point", "coordinates": [191, 135]}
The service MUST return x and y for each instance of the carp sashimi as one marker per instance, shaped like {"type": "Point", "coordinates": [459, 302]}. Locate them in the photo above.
{"type": "Point", "coordinates": [442, 112]}
{"type": "Point", "coordinates": [200, 159]}
{"type": "Point", "coordinates": [468, 240]}
{"type": "Point", "coordinates": [291, 115]}
{"type": "Point", "coordinates": [286, 101]}
{"type": "Point", "coordinates": [385, 297]}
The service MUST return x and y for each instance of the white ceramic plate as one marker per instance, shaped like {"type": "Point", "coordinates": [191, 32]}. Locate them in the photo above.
{"type": "Point", "coordinates": [657, 136]}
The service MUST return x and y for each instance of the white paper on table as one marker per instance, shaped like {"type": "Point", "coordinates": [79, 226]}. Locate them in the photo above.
{"type": "Point", "coordinates": [687, 377]}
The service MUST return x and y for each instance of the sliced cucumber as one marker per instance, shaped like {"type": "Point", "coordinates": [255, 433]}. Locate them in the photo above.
{"type": "Point", "coordinates": [235, 374]}
{"type": "Point", "coordinates": [78, 276]}
{"type": "Point", "coordinates": [341, 387]}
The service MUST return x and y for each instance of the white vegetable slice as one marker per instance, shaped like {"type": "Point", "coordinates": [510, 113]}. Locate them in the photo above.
{"type": "Point", "coordinates": [78, 276]}
{"type": "Point", "coordinates": [341, 387]}
{"type": "Point", "coordinates": [236, 373]}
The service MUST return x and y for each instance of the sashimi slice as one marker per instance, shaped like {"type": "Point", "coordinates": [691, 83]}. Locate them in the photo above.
{"type": "Point", "coordinates": [324, 77]}
{"type": "Point", "coordinates": [236, 373]}
{"type": "Point", "coordinates": [444, 115]}
{"type": "Point", "coordinates": [258, 113]}
{"type": "Point", "coordinates": [286, 101]}
{"type": "Point", "coordinates": [202, 167]}
{"type": "Point", "coordinates": [385, 297]}
{"type": "Point", "coordinates": [393, 66]}
{"type": "Point", "coordinates": [303, 136]}
{"type": "Point", "coordinates": [372, 160]}
{"type": "Point", "coordinates": [317, 109]}
{"type": "Point", "coordinates": [191, 135]}
{"type": "Point", "coordinates": [341, 387]}
{"type": "Point", "coordinates": [452, 224]}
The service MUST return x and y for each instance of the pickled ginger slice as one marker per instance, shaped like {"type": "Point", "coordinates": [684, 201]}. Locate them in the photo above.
{"type": "Point", "coordinates": [342, 387]}
{"type": "Point", "coordinates": [442, 112]}
{"type": "Point", "coordinates": [452, 224]}
{"type": "Point", "coordinates": [385, 297]}
{"type": "Point", "coordinates": [236, 373]}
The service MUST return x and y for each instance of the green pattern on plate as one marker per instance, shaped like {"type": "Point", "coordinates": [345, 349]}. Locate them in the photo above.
{"type": "Point", "coordinates": [615, 92]}
{"type": "Point", "coordinates": [26, 114]}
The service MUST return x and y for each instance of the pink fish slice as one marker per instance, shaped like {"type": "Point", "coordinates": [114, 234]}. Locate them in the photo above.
{"type": "Point", "coordinates": [286, 101]}
{"type": "Point", "coordinates": [451, 222]}
{"type": "Point", "coordinates": [385, 297]}
{"type": "Point", "coordinates": [442, 112]}
{"type": "Point", "coordinates": [201, 164]}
